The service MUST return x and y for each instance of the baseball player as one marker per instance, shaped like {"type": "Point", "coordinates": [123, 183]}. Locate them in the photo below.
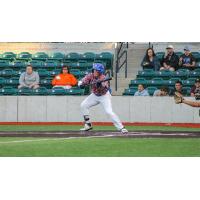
{"type": "Point", "coordinates": [100, 95]}
{"type": "Point", "coordinates": [179, 99]}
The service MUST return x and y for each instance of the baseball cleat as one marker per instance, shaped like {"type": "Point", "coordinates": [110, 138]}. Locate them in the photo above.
{"type": "Point", "coordinates": [86, 128]}
{"type": "Point", "coordinates": [124, 131]}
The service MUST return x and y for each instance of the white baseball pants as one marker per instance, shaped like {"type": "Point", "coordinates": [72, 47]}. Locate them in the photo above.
{"type": "Point", "coordinates": [105, 101]}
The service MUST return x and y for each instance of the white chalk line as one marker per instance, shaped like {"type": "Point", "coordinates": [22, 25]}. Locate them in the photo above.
{"type": "Point", "coordinates": [51, 139]}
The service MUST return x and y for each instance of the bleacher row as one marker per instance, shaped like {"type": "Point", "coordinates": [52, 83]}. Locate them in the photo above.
{"type": "Point", "coordinates": [153, 80]}
{"type": "Point", "coordinates": [12, 65]}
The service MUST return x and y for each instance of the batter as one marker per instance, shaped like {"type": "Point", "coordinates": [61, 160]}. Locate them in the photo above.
{"type": "Point", "coordinates": [100, 95]}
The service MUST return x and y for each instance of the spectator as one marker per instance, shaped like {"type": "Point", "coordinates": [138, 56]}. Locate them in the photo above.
{"type": "Point", "coordinates": [195, 91]}
{"type": "Point", "coordinates": [164, 91]}
{"type": "Point", "coordinates": [29, 79]}
{"type": "Point", "coordinates": [170, 60]}
{"type": "Point", "coordinates": [187, 59]}
{"type": "Point", "coordinates": [178, 88]}
{"type": "Point", "coordinates": [64, 79]}
{"type": "Point", "coordinates": [141, 91]}
{"type": "Point", "coordinates": [150, 60]}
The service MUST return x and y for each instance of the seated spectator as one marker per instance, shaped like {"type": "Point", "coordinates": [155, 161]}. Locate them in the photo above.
{"type": "Point", "coordinates": [141, 91]}
{"type": "Point", "coordinates": [195, 91]}
{"type": "Point", "coordinates": [170, 60]}
{"type": "Point", "coordinates": [178, 88]}
{"type": "Point", "coordinates": [150, 60]}
{"type": "Point", "coordinates": [64, 79]}
{"type": "Point", "coordinates": [187, 59]}
{"type": "Point", "coordinates": [164, 91]}
{"type": "Point", "coordinates": [29, 79]}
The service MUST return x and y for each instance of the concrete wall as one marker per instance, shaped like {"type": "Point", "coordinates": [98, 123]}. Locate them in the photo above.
{"type": "Point", "coordinates": [67, 109]}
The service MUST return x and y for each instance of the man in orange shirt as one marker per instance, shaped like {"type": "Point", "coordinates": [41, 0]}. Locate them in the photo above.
{"type": "Point", "coordinates": [64, 79]}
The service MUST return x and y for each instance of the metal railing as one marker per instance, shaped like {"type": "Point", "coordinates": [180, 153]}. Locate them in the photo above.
{"type": "Point", "coordinates": [121, 54]}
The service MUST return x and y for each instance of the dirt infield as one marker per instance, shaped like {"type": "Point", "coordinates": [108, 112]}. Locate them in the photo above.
{"type": "Point", "coordinates": [111, 134]}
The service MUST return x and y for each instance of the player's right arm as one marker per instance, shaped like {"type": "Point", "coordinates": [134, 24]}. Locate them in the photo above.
{"type": "Point", "coordinates": [191, 103]}
{"type": "Point", "coordinates": [86, 80]}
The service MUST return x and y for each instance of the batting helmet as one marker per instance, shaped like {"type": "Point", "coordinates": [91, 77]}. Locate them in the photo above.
{"type": "Point", "coordinates": [99, 67]}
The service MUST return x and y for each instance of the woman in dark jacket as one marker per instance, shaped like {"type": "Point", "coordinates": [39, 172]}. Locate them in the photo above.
{"type": "Point", "coordinates": [150, 61]}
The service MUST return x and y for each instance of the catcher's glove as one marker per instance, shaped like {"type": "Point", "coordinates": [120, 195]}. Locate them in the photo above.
{"type": "Point", "coordinates": [178, 98]}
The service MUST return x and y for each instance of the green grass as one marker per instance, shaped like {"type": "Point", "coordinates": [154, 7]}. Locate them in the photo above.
{"type": "Point", "coordinates": [76, 128]}
{"type": "Point", "coordinates": [101, 147]}
{"type": "Point", "coordinates": [98, 146]}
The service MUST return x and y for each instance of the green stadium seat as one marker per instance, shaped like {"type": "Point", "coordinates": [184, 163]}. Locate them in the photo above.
{"type": "Point", "coordinates": [46, 82]}
{"type": "Point", "coordinates": [58, 91]}
{"type": "Point", "coordinates": [186, 91]}
{"type": "Point", "coordinates": [172, 81]}
{"type": "Point", "coordinates": [165, 74]}
{"type": "Point", "coordinates": [55, 72]}
{"type": "Point", "coordinates": [147, 74]}
{"type": "Point", "coordinates": [24, 56]}
{"type": "Point", "coordinates": [130, 91]}
{"type": "Point", "coordinates": [36, 64]}
{"type": "Point", "coordinates": [4, 64]}
{"type": "Point", "coordinates": [73, 56]}
{"type": "Point", "coordinates": [75, 91]}
{"type": "Point", "coordinates": [40, 56]}
{"type": "Point", "coordinates": [2, 81]}
{"type": "Point", "coordinates": [8, 72]}
{"type": "Point", "coordinates": [85, 66]}
{"type": "Point", "coordinates": [106, 57]}
{"type": "Point", "coordinates": [51, 65]}
{"type": "Point", "coordinates": [8, 56]}
{"type": "Point", "coordinates": [138, 81]}
{"type": "Point", "coordinates": [196, 55]}
{"type": "Point", "coordinates": [25, 91]}
{"type": "Point", "coordinates": [7, 90]}
{"type": "Point", "coordinates": [57, 56]}
{"type": "Point", "coordinates": [181, 73]}
{"type": "Point", "coordinates": [156, 82]}
{"type": "Point", "coordinates": [179, 53]}
{"type": "Point", "coordinates": [14, 81]}
{"type": "Point", "coordinates": [195, 73]}
{"type": "Point", "coordinates": [89, 56]}
{"type": "Point", "coordinates": [43, 72]}
{"type": "Point", "coordinates": [75, 72]}
{"type": "Point", "coordinates": [19, 72]}
{"type": "Point", "coordinates": [160, 55]}
{"type": "Point", "coordinates": [189, 82]}
{"type": "Point", "coordinates": [18, 64]}
{"type": "Point", "coordinates": [40, 91]}
{"type": "Point", "coordinates": [198, 64]}
{"type": "Point", "coordinates": [151, 90]}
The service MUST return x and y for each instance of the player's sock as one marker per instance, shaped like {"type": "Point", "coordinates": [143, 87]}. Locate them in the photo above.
{"type": "Point", "coordinates": [87, 120]}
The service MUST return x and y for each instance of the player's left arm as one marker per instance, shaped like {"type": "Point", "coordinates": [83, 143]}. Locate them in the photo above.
{"type": "Point", "coordinates": [191, 103]}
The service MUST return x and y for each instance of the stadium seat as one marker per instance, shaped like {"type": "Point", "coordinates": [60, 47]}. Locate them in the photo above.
{"type": "Point", "coordinates": [130, 91]}
{"type": "Point", "coordinates": [172, 81]}
{"type": "Point", "coordinates": [165, 74]}
{"type": "Point", "coordinates": [138, 81]}
{"type": "Point", "coordinates": [8, 72]}
{"type": "Point", "coordinates": [18, 73]}
{"type": "Point", "coordinates": [40, 91]}
{"type": "Point", "coordinates": [75, 72]}
{"type": "Point", "coordinates": [57, 56]}
{"type": "Point", "coordinates": [181, 73]}
{"type": "Point", "coordinates": [195, 73]}
{"type": "Point", "coordinates": [7, 90]}
{"type": "Point", "coordinates": [73, 56]}
{"type": "Point", "coordinates": [85, 65]}
{"type": "Point", "coordinates": [160, 55]}
{"type": "Point", "coordinates": [186, 91]}
{"type": "Point", "coordinates": [17, 64]}
{"type": "Point", "coordinates": [147, 74]}
{"type": "Point", "coordinates": [2, 81]}
{"type": "Point", "coordinates": [43, 72]}
{"type": "Point", "coordinates": [196, 56]}
{"type": "Point", "coordinates": [151, 90]}
{"type": "Point", "coordinates": [89, 56]}
{"type": "Point", "coordinates": [24, 56]}
{"type": "Point", "coordinates": [106, 57]}
{"type": "Point", "coordinates": [75, 91]}
{"type": "Point", "coordinates": [179, 53]}
{"type": "Point", "coordinates": [58, 91]}
{"type": "Point", "coordinates": [25, 91]}
{"type": "Point", "coordinates": [46, 82]}
{"type": "Point", "coordinates": [36, 64]}
{"type": "Point", "coordinates": [4, 64]}
{"type": "Point", "coordinates": [14, 81]}
{"type": "Point", "coordinates": [8, 56]}
{"type": "Point", "coordinates": [55, 72]}
{"type": "Point", "coordinates": [156, 82]}
{"type": "Point", "coordinates": [189, 82]}
{"type": "Point", "coordinates": [40, 56]}
{"type": "Point", "coordinates": [51, 65]}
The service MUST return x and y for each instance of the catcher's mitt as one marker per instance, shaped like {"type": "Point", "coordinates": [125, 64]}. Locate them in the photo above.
{"type": "Point", "coordinates": [178, 98]}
